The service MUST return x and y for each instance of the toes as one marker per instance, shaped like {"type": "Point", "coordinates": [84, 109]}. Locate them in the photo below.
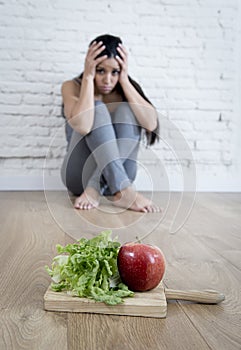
{"type": "Point", "coordinates": [85, 202]}
{"type": "Point", "coordinates": [157, 209]}
{"type": "Point", "coordinates": [77, 204]}
{"type": "Point", "coordinates": [84, 206]}
{"type": "Point", "coordinates": [151, 209]}
{"type": "Point", "coordinates": [144, 210]}
{"type": "Point", "coordinates": [81, 206]}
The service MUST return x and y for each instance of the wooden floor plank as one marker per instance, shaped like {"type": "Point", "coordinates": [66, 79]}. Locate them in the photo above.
{"type": "Point", "coordinates": [216, 221]}
{"type": "Point", "coordinates": [223, 205]}
{"type": "Point", "coordinates": [131, 333]}
{"type": "Point", "coordinates": [27, 243]}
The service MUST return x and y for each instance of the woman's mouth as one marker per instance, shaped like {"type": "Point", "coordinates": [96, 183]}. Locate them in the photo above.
{"type": "Point", "coordinates": [106, 88]}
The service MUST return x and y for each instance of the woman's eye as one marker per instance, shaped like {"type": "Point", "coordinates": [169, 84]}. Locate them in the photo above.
{"type": "Point", "coordinates": [115, 72]}
{"type": "Point", "coordinates": [100, 71]}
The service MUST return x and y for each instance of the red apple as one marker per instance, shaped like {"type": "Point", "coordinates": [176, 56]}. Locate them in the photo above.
{"type": "Point", "coordinates": [141, 266]}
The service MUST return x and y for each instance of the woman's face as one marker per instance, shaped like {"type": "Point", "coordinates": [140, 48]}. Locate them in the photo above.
{"type": "Point", "coordinates": [107, 76]}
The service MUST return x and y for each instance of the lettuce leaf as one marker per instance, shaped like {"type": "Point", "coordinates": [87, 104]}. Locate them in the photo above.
{"type": "Point", "coordinates": [88, 268]}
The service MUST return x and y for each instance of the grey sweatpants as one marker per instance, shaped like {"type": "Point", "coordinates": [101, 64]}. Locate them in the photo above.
{"type": "Point", "coordinates": [105, 158]}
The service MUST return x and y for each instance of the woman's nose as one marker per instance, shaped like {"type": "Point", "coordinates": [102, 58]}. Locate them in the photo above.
{"type": "Point", "coordinates": [107, 78]}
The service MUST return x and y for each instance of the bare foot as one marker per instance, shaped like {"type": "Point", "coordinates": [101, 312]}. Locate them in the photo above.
{"type": "Point", "coordinates": [88, 199]}
{"type": "Point", "coordinates": [130, 199]}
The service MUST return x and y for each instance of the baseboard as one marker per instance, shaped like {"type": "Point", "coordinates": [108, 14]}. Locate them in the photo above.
{"type": "Point", "coordinates": [30, 183]}
{"type": "Point", "coordinates": [54, 183]}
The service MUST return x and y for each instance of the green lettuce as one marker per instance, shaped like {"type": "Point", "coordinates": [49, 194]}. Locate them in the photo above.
{"type": "Point", "coordinates": [88, 268]}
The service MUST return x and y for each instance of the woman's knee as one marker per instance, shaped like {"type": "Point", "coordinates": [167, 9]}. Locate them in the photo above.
{"type": "Point", "coordinates": [102, 115]}
{"type": "Point", "coordinates": [124, 114]}
{"type": "Point", "coordinates": [125, 123]}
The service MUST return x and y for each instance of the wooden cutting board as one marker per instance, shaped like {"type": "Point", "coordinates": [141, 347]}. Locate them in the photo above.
{"type": "Point", "coordinates": [147, 304]}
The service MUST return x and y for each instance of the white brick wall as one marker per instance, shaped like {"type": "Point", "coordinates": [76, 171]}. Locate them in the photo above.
{"type": "Point", "coordinates": [185, 53]}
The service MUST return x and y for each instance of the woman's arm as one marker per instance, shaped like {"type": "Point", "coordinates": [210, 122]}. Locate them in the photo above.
{"type": "Point", "coordinates": [145, 113]}
{"type": "Point", "coordinates": [79, 104]}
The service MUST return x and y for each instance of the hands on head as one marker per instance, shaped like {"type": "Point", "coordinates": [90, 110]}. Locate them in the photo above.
{"type": "Point", "coordinates": [91, 62]}
{"type": "Point", "coordinates": [93, 59]}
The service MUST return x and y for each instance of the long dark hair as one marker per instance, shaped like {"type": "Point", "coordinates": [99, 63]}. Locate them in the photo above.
{"type": "Point", "coordinates": [111, 43]}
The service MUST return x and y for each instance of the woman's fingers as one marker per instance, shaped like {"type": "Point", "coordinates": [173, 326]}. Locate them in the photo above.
{"type": "Point", "coordinates": [122, 48]}
{"type": "Point", "coordinates": [122, 51]}
{"type": "Point", "coordinates": [95, 45]}
{"type": "Point", "coordinates": [95, 49]}
{"type": "Point", "coordinates": [122, 59]}
{"type": "Point", "coordinates": [100, 59]}
{"type": "Point", "coordinates": [90, 61]}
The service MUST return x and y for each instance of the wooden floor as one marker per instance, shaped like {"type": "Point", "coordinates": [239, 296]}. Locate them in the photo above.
{"type": "Point", "coordinates": [205, 253]}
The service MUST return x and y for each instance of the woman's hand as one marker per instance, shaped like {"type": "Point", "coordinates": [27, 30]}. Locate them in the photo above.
{"type": "Point", "coordinates": [90, 61]}
{"type": "Point", "coordinates": [123, 62]}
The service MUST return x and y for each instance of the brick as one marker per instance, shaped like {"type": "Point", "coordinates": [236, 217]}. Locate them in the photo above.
{"type": "Point", "coordinates": [25, 110]}
{"type": "Point", "coordinates": [181, 104]}
{"type": "Point", "coordinates": [37, 99]}
{"type": "Point", "coordinates": [208, 144]}
{"type": "Point", "coordinates": [11, 99]}
{"type": "Point", "coordinates": [215, 105]}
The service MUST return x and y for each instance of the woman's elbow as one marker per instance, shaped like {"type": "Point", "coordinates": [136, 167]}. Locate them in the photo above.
{"type": "Point", "coordinates": [84, 132]}
{"type": "Point", "coordinates": [152, 125]}
{"type": "Point", "coordinates": [81, 129]}
{"type": "Point", "coordinates": [152, 120]}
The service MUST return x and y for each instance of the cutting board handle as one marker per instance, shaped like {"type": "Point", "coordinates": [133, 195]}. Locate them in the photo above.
{"type": "Point", "coordinates": [204, 297]}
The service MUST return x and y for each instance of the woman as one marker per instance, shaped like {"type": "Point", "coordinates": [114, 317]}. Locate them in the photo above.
{"type": "Point", "coordinates": [106, 111]}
